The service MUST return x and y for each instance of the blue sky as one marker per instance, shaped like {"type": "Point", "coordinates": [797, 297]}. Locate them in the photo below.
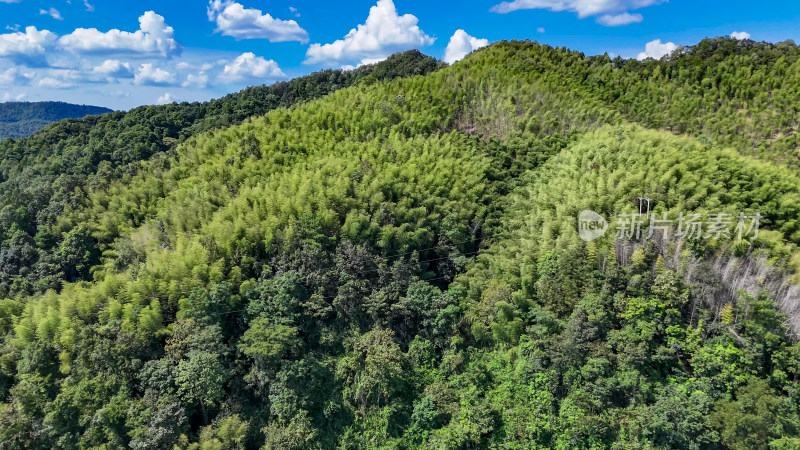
{"type": "Point", "coordinates": [125, 54]}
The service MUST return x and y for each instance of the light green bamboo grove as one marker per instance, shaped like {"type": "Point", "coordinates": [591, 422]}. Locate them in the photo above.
{"type": "Point", "coordinates": [396, 263]}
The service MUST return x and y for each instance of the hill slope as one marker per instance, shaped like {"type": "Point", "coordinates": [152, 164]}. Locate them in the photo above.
{"type": "Point", "coordinates": [396, 264]}
{"type": "Point", "coordinates": [21, 119]}
{"type": "Point", "coordinates": [49, 173]}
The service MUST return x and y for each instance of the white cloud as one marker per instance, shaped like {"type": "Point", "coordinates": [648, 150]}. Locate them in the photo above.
{"type": "Point", "coordinates": [166, 99]}
{"type": "Point", "coordinates": [119, 93]}
{"type": "Point", "coordinates": [89, 6]}
{"type": "Point", "coordinates": [385, 32]}
{"type": "Point", "coordinates": [199, 81]}
{"type": "Point", "coordinates": [183, 65]}
{"type": "Point", "coordinates": [612, 12]}
{"type": "Point", "coordinates": [10, 1]}
{"type": "Point", "coordinates": [363, 62]}
{"type": "Point", "coordinates": [615, 20]}
{"type": "Point", "coordinates": [114, 68]}
{"type": "Point", "coordinates": [75, 77]}
{"type": "Point", "coordinates": [27, 46]}
{"type": "Point", "coordinates": [153, 37]}
{"type": "Point", "coordinates": [368, 61]}
{"type": "Point", "coordinates": [52, 83]}
{"type": "Point", "coordinates": [584, 8]}
{"type": "Point", "coordinates": [9, 97]}
{"type": "Point", "coordinates": [9, 76]}
{"type": "Point", "coordinates": [656, 49]}
{"type": "Point", "coordinates": [540, 30]}
{"type": "Point", "coordinates": [460, 45]}
{"type": "Point", "coordinates": [234, 20]}
{"type": "Point", "coordinates": [293, 10]}
{"type": "Point", "coordinates": [52, 12]}
{"type": "Point", "coordinates": [249, 66]}
{"type": "Point", "coordinates": [740, 35]}
{"type": "Point", "coordinates": [147, 74]}
{"type": "Point", "coordinates": [14, 76]}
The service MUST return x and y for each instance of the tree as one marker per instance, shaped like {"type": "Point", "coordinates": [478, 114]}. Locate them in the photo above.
{"type": "Point", "coordinates": [754, 419]}
{"type": "Point", "coordinates": [228, 434]}
{"type": "Point", "coordinates": [201, 379]}
{"type": "Point", "coordinates": [296, 434]}
{"type": "Point", "coordinates": [268, 343]}
{"type": "Point", "coordinates": [78, 253]}
{"type": "Point", "coordinates": [373, 371]}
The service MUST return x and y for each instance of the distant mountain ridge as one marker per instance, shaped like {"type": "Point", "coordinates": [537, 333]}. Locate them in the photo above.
{"type": "Point", "coordinates": [22, 119]}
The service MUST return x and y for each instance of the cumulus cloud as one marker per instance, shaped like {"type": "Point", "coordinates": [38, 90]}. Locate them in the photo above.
{"type": "Point", "coordinates": [52, 83]}
{"type": "Point", "coordinates": [15, 76]}
{"type": "Point", "coordinates": [9, 76]}
{"type": "Point", "coordinates": [249, 66]}
{"type": "Point", "coordinates": [199, 81]}
{"type": "Point", "coordinates": [183, 65]}
{"type": "Point", "coordinates": [615, 20]}
{"type": "Point", "coordinates": [364, 62]}
{"type": "Point", "coordinates": [52, 12]}
{"type": "Point", "coordinates": [80, 76]}
{"type": "Point", "coordinates": [234, 20]}
{"type": "Point", "coordinates": [740, 35]}
{"type": "Point", "coordinates": [147, 74]}
{"type": "Point", "coordinates": [153, 37]}
{"type": "Point", "coordinates": [385, 32]}
{"type": "Point", "coordinates": [166, 99]}
{"type": "Point", "coordinates": [28, 47]}
{"type": "Point", "coordinates": [656, 49]}
{"type": "Point", "coordinates": [611, 12]}
{"type": "Point", "coordinates": [9, 97]}
{"type": "Point", "coordinates": [114, 68]}
{"type": "Point", "coordinates": [461, 44]}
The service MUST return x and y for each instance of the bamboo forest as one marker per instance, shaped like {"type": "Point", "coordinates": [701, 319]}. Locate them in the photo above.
{"type": "Point", "coordinates": [391, 257]}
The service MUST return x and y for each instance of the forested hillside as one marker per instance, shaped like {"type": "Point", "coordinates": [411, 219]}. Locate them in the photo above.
{"type": "Point", "coordinates": [45, 175]}
{"type": "Point", "coordinates": [390, 258]}
{"type": "Point", "coordinates": [21, 119]}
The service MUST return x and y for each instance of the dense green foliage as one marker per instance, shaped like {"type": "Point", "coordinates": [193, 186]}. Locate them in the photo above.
{"type": "Point", "coordinates": [397, 264]}
{"type": "Point", "coordinates": [642, 343]}
{"type": "Point", "coordinates": [21, 119]}
{"type": "Point", "coordinates": [49, 173]}
{"type": "Point", "coordinates": [737, 93]}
